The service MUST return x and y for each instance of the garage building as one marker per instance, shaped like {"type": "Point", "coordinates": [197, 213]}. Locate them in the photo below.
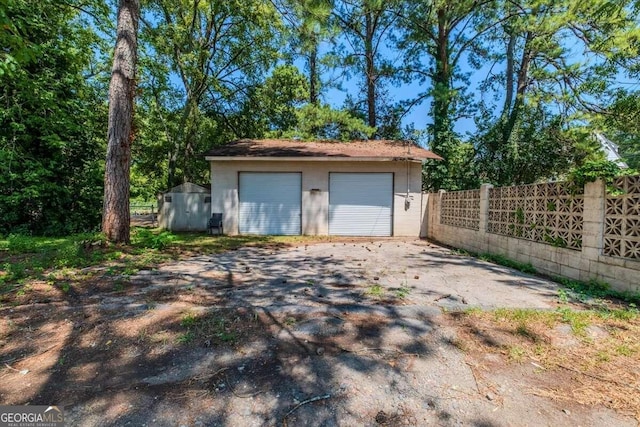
{"type": "Point", "coordinates": [288, 187]}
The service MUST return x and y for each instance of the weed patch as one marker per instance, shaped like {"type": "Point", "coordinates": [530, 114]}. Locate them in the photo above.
{"type": "Point", "coordinates": [189, 321]}
{"type": "Point", "coordinates": [598, 290]}
{"type": "Point", "coordinates": [186, 338]}
{"type": "Point", "coordinates": [375, 291]}
{"type": "Point", "coordinates": [145, 238]}
{"type": "Point", "coordinates": [524, 331]}
{"type": "Point", "coordinates": [216, 327]}
{"type": "Point", "coordinates": [402, 292]}
{"type": "Point", "coordinates": [517, 353]}
{"type": "Point", "coordinates": [601, 347]}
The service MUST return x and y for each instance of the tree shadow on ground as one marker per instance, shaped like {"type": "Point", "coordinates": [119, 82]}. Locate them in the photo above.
{"type": "Point", "coordinates": [212, 346]}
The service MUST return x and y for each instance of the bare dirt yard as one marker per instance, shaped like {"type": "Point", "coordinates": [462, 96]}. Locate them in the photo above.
{"type": "Point", "coordinates": [331, 333]}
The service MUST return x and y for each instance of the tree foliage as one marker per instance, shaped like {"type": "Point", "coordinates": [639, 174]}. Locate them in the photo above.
{"type": "Point", "coordinates": [367, 28]}
{"type": "Point", "coordinates": [52, 122]}
{"type": "Point", "coordinates": [439, 36]}
{"type": "Point", "coordinates": [209, 55]}
{"type": "Point", "coordinates": [282, 108]}
{"type": "Point", "coordinates": [511, 91]}
{"type": "Point", "coordinates": [322, 122]}
{"type": "Point", "coordinates": [548, 90]}
{"type": "Point", "coordinates": [622, 124]}
{"type": "Point", "coordinates": [309, 26]}
{"type": "Point", "coordinates": [280, 97]}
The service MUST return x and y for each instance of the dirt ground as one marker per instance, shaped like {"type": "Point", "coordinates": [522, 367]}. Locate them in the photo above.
{"type": "Point", "coordinates": [341, 333]}
{"type": "Point", "coordinates": [144, 220]}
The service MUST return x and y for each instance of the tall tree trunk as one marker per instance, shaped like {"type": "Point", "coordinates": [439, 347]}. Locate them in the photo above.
{"type": "Point", "coordinates": [521, 87]}
{"type": "Point", "coordinates": [441, 85]}
{"type": "Point", "coordinates": [173, 165]}
{"type": "Point", "coordinates": [184, 152]}
{"type": "Point", "coordinates": [442, 129]}
{"type": "Point", "coordinates": [189, 166]}
{"type": "Point", "coordinates": [509, 91]}
{"type": "Point", "coordinates": [176, 155]}
{"type": "Point", "coordinates": [115, 216]}
{"type": "Point", "coordinates": [370, 72]}
{"type": "Point", "coordinates": [313, 75]}
{"type": "Point", "coordinates": [508, 99]}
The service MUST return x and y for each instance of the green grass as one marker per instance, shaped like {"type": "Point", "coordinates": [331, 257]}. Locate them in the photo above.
{"type": "Point", "coordinates": [186, 338]}
{"type": "Point", "coordinates": [189, 320]}
{"type": "Point", "coordinates": [402, 292]}
{"type": "Point", "coordinates": [578, 320]}
{"type": "Point", "coordinates": [523, 316]}
{"type": "Point", "coordinates": [606, 344]}
{"type": "Point", "coordinates": [212, 327]}
{"type": "Point", "coordinates": [375, 291]}
{"type": "Point", "coordinates": [625, 350]}
{"type": "Point", "coordinates": [23, 258]}
{"type": "Point", "coordinates": [26, 258]}
{"type": "Point", "coordinates": [516, 353]}
{"type": "Point", "coordinates": [598, 289]}
{"type": "Point", "coordinates": [214, 244]}
{"type": "Point", "coordinates": [525, 331]}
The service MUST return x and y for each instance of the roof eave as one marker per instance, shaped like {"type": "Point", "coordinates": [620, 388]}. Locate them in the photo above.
{"type": "Point", "coordinates": [313, 159]}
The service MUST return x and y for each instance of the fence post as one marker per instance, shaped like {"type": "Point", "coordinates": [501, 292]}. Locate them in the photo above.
{"type": "Point", "coordinates": [438, 210]}
{"type": "Point", "coordinates": [484, 208]}
{"type": "Point", "coordinates": [593, 219]}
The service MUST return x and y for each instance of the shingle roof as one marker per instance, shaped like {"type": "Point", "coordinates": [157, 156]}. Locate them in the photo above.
{"type": "Point", "coordinates": [292, 148]}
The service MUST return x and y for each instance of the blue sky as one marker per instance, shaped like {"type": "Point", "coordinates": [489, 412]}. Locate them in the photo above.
{"type": "Point", "coordinates": [419, 114]}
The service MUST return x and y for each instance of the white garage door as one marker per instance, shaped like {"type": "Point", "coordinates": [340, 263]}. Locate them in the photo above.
{"type": "Point", "coordinates": [360, 204]}
{"type": "Point", "coordinates": [270, 203]}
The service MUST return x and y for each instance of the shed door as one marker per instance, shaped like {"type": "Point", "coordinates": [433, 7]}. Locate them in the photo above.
{"type": "Point", "coordinates": [360, 204]}
{"type": "Point", "coordinates": [270, 203]}
{"type": "Point", "coordinates": [187, 212]}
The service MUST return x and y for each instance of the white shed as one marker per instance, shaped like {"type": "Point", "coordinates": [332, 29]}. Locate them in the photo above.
{"type": "Point", "coordinates": [186, 207]}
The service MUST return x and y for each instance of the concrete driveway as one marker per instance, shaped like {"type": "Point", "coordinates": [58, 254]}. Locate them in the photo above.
{"type": "Point", "coordinates": [352, 275]}
{"type": "Point", "coordinates": [338, 333]}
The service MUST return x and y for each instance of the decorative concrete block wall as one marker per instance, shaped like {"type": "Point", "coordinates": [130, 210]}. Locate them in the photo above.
{"type": "Point", "coordinates": [622, 219]}
{"type": "Point", "coordinates": [580, 236]}
{"type": "Point", "coordinates": [545, 213]}
{"type": "Point", "coordinates": [461, 209]}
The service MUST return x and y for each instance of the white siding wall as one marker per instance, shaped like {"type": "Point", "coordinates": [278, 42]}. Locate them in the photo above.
{"type": "Point", "coordinates": [315, 204]}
